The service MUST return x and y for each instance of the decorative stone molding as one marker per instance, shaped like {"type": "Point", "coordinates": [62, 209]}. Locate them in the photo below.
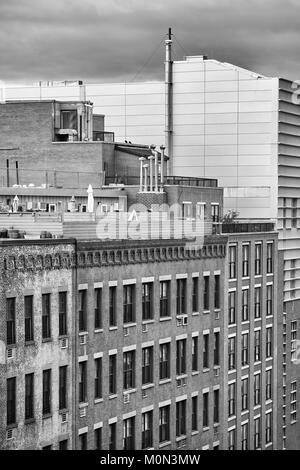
{"type": "Point", "coordinates": [115, 256]}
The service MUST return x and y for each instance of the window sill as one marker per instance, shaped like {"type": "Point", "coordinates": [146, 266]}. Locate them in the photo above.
{"type": "Point", "coordinates": [245, 367]}
{"type": "Point", "coordinates": [146, 386]}
{"type": "Point", "coordinates": [113, 328]}
{"type": "Point", "coordinates": [83, 404]}
{"type": "Point", "coordinates": [182, 376]}
{"type": "Point", "coordinates": [181, 438]}
{"type": "Point", "coordinates": [29, 421]}
{"type": "Point", "coordinates": [244, 412]}
{"type": "Point", "coordinates": [256, 407]}
{"type": "Point", "coordinates": [129, 325]}
{"type": "Point", "coordinates": [217, 310]}
{"type": "Point", "coordinates": [269, 316]}
{"type": "Point", "coordinates": [11, 346]}
{"type": "Point", "coordinates": [231, 418]}
{"type": "Point", "coordinates": [232, 371]}
{"type": "Point", "coordinates": [195, 372]}
{"type": "Point", "coordinates": [245, 322]}
{"type": "Point", "coordinates": [98, 330]}
{"type": "Point", "coordinates": [82, 333]}
{"type": "Point", "coordinates": [130, 390]}
{"type": "Point", "coordinates": [257, 319]}
{"type": "Point", "coordinates": [111, 397]}
{"type": "Point", "coordinates": [165, 318]}
{"type": "Point", "coordinates": [195, 313]}
{"type": "Point", "coordinates": [46, 340]}
{"type": "Point", "coordinates": [165, 381]}
{"type": "Point", "coordinates": [63, 336]}
{"type": "Point", "coordinates": [205, 370]}
{"type": "Point", "coordinates": [63, 410]}
{"type": "Point", "coordinates": [269, 444]}
{"type": "Point", "coordinates": [47, 416]}
{"type": "Point", "coordinates": [11, 426]}
{"type": "Point", "coordinates": [30, 343]}
{"type": "Point", "coordinates": [206, 312]}
{"type": "Point", "coordinates": [257, 363]}
{"type": "Point", "coordinates": [269, 402]}
{"type": "Point", "coordinates": [164, 444]}
{"type": "Point", "coordinates": [98, 400]}
{"type": "Point", "coordinates": [269, 358]}
{"type": "Point", "coordinates": [232, 325]}
{"type": "Point", "coordinates": [194, 433]}
{"type": "Point", "coordinates": [147, 322]}
{"type": "Point", "coordinates": [205, 428]}
{"type": "Point", "coordinates": [232, 279]}
{"type": "Point", "coordinates": [245, 278]}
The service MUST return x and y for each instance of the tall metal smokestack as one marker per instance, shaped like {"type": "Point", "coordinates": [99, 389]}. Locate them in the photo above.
{"type": "Point", "coordinates": [169, 99]}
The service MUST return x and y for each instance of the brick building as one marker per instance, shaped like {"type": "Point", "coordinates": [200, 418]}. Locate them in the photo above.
{"type": "Point", "coordinates": [132, 305]}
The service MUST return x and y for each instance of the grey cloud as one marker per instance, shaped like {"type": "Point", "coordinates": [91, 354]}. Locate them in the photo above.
{"type": "Point", "coordinates": [99, 40]}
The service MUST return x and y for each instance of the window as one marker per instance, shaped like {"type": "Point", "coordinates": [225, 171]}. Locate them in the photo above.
{"type": "Point", "coordinates": [128, 303]}
{"type": "Point", "coordinates": [147, 365]}
{"type": "Point", "coordinates": [245, 266]}
{"type": "Point", "coordinates": [293, 340]}
{"type": "Point", "coordinates": [98, 378]}
{"type": "Point", "coordinates": [82, 382]}
{"type": "Point", "coordinates": [10, 321]}
{"type": "Point", "coordinates": [181, 418]}
{"type": "Point", "coordinates": [201, 210]}
{"type": "Point", "coordinates": [83, 441]}
{"type": "Point", "coordinates": [268, 428]}
{"type": "Point", "coordinates": [112, 374]}
{"type": "Point", "coordinates": [164, 423]}
{"type": "Point", "coordinates": [62, 305]}
{"type": "Point", "coordinates": [232, 262]}
{"type": "Point", "coordinates": [293, 400]}
{"type": "Point", "coordinates": [128, 433]}
{"type": "Point", "coordinates": [187, 210]}
{"type": "Point", "coordinates": [245, 432]}
{"type": "Point", "coordinates": [113, 436]}
{"type": "Point", "coordinates": [28, 304]}
{"type": "Point", "coordinates": [269, 258]}
{"type": "Point", "coordinates": [206, 351]}
{"type": "Point", "coordinates": [231, 399]}
{"type": "Point", "coordinates": [11, 400]}
{"type": "Point", "coordinates": [63, 445]}
{"type": "Point", "coordinates": [257, 264]}
{"type": "Point", "coordinates": [112, 306]}
{"type": "Point", "coordinates": [269, 348]}
{"type": "Point", "coordinates": [98, 308]}
{"type": "Point", "coordinates": [129, 370]}
{"type": "Point", "coordinates": [257, 302]}
{"type": "Point", "coordinates": [46, 316]}
{"type": "Point", "coordinates": [195, 353]}
{"type": "Point", "coordinates": [231, 308]}
{"type": "Point", "coordinates": [206, 302]}
{"type": "Point", "coordinates": [195, 294]}
{"type": "Point", "coordinates": [216, 406]}
{"type": "Point", "coordinates": [257, 390]}
{"type": "Point", "coordinates": [231, 439]}
{"type": "Point", "coordinates": [46, 392]}
{"type": "Point", "coordinates": [257, 433]}
{"type": "Point", "coordinates": [294, 212]}
{"type": "Point", "coordinates": [217, 292]}
{"type": "Point", "coordinates": [231, 353]}
{"type": "Point", "coordinates": [164, 361]}
{"type": "Point", "coordinates": [245, 305]}
{"type": "Point", "coordinates": [216, 348]}
{"type": "Point", "coordinates": [245, 386]}
{"type": "Point", "coordinates": [205, 414]}
{"type": "Point", "coordinates": [29, 396]}
{"type": "Point", "coordinates": [147, 301]}
{"type": "Point", "coordinates": [164, 294]}
{"type": "Point", "coordinates": [63, 370]}
{"type": "Point", "coordinates": [181, 356]}
{"type": "Point", "coordinates": [215, 212]}
{"type": "Point", "coordinates": [269, 384]}
{"type": "Point", "coordinates": [194, 413]}
{"type": "Point", "coordinates": [147, 430]}
{"type": "Point", "coordinates": [245, 349]}
{"type": "Point", "coordinates": [68, 119]}
{"type": "Point", "coordinates": [269, 301]}
{"type": "Point", "coordinates": [257, 345]}
{"type": "Point", "coordinates": [82, 311]}
{"type": "Point", "coordinates": [181, 297]}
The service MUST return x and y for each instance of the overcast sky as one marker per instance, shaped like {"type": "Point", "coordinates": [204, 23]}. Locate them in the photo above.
{"type": "Point", "coordinates": [100, 40]}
